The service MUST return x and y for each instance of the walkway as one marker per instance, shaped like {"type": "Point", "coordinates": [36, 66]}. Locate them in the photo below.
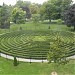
{"type": "Point", "coordinates": [21, 59]}
{"type": "Point", "coordinates": [28, 60]}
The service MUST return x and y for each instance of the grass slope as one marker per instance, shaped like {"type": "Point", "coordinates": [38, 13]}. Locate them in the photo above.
{"type": "Point", "coordinates": [7, 68]}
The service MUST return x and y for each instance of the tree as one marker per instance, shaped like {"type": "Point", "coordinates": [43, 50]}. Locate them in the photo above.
{"type": "Point", "coordinates": [34, 9]}
{"type": "Point", "coordinates": [42, 12]}
{"type": "Point", "coordinates": [57, 52]}
{"type": "Point", "coordinates": [69, 16]}
{"type": "Point", "coordinates": [21, 3]}
{"type": "Point", "coordinates": [60, 6]}
{"type": "Point", "coordinates": [18, 15]}
{"type": "Point", "coordinates": [4, 17]}
{"type": "Point", "coordinates": [36, 18]}
{"type": "Point", "coordinates": [15, 61]}
{"type": "Point", "coordinates": [47, 10]}
{"type": "Point", "coordinates": [25, 7]}
{"type": "Point", "coordinates": [50, 10]}
{"type": "Point", "coordinates": [28, 14]}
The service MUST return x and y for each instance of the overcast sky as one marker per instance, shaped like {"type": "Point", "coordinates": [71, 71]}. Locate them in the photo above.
{"type": "Point", "coordinates": [12, 2]}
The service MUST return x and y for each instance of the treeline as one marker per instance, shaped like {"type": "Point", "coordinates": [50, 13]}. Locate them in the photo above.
{"type": "Point", "coordinates": [24, 11]}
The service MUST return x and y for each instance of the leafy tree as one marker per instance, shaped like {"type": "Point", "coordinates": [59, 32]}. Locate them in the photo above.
{"type": "Point", "coordinates": [66, 4]}
{"type": "Point", "coordinates": [18, 15]}
{"type": "Point", "coordinates": [36, 18]}
{"type": "Point", "coordinates": [28, 14]}
{"type": "Point", "coordinates": [25, 7]}
{"type": "Point", "coordinates": [47, 10]}
{"type": "Point", "coordinates": [60, 6]}
{"type": "Point", "coordinates": [52, 9]}
{"type": "Point", "coordinates": [57, 52]}
{"type": "Point", "coordinates": [69, 16]}
{"type": "Point", "coordinates": [4, 17]}
{"type": "Point", "coordinates": [42, 12]}
{"type": "Point", "coordinates": [34, 9]}
{"type": "Point", "coordinates": [9, 9]}
{"type": "Point", "coordinates": [61, 3]}
{"type": "Point", "coordinates": [21, 3]}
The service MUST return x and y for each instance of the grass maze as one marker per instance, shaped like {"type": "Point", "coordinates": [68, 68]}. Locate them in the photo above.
{"type": "Point", "coordinates": [32, 44]}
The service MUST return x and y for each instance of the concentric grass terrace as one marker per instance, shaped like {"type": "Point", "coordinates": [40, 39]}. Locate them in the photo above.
{"type": "Point", "coordinates": [32, 44]}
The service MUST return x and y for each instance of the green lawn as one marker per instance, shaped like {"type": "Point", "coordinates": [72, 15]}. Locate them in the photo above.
{"type": "Point", "coordinates": [7, 68]}
{"type": "Point", "coordinates": [40, 26]}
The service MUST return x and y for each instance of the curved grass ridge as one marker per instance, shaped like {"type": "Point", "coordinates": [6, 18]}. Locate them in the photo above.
{"type": "Point", "coordinates": [32, 44]}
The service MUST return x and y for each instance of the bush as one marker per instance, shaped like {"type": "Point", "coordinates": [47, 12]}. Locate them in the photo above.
{"type": "Point", "coordinates": [15, 61]}
{"type": "Point", "coordinates": [20, 28]}
{"type": "Point", "coordinates": [5, 24]}
{"type": "Point", "coordinates": [59, 21]}
{"type": "Point", "coordinates": [18, 16]}
{"type": "Point", "coordinates": [36, 18]}
{"type": "Point", "coordinates": [22, 21]}
{"type": "Point", "coordinates": [68, 25]}
{"type": "Point", "coordinates": [49, 27]}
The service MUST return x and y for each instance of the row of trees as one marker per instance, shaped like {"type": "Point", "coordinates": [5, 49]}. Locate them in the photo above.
{"type": "Point", "coordinates": [50, 10]}
{"type": "Point", "coordinates": [53, 9]}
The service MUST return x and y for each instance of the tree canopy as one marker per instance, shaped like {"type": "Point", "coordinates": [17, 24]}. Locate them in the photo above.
{"type": "Point", "coordinates": [57, 54]}
{"type": "Point", "coordinates": [69, 16]}
{"type": "Point", "coordinates": [18, 15]}
{"type": "Point", "coordinates": [52, 9]}
{"type": "Point", "coordinates": [4, 17]}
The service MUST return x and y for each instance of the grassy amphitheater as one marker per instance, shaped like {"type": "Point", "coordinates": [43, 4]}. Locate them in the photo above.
{"type": "Point", "coordinates": [32, 44]}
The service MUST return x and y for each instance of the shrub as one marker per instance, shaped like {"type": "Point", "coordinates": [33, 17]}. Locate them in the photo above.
{"type": "Point", "coordinates": [15, 61]}
{"type": "Point", "coordinates": [49, 27]}
{"type": "Point", "coordinates": [59, 21]}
